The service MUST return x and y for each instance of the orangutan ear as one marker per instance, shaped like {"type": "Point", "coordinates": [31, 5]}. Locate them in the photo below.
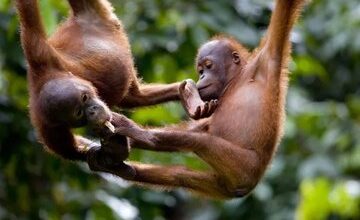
{"type": "Point", "coordinates": [235, 57]}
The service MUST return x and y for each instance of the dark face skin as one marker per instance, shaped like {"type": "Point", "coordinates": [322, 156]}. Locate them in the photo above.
{"type": "Point", "coordinates": [214, 60]}
{"type": "Point", "coordinates": [72, 102]}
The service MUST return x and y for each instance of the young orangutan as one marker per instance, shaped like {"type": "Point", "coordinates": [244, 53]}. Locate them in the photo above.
{"type": "Point", "coordinates": [240, 138]}
{"type": "Point", "coordinates": [85, 67]}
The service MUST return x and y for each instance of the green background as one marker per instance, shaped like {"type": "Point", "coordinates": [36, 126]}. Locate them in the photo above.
{"type": "Point", "coordinates": [315, 174]}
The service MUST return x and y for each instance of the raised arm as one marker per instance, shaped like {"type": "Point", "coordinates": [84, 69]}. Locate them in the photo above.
{"type": "Point", "coordinates": [102, 7]}
{"type": "Point", "coordinates": [282, 20]}
{"type": "Point", "coordinates": [38, 52]}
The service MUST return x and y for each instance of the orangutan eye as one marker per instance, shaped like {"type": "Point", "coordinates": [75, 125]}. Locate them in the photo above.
{"type": "Point", "coordinates": [208, 64]}
{"type": "Point", "coordinates": [84, 97]}
{"type": "Point", "coordinates": [200, 69]}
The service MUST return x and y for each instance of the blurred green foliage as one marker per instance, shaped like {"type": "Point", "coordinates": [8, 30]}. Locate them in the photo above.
{"type": "Point", "coordinates": [322, 199]}
{"type": "Point", "coordinates": [315, 174]}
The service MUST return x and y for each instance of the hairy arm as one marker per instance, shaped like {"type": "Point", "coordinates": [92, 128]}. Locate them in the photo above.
{"type": "Point", "coordinates": [62, 142]}
{"type": "Point", "coordinates": [186, 91]}
{"type": "Point", "coordinates": [285, 14]}
{"type": "Point", "coordinates": [276, 46]}
{"type": "Point", "coordinates": [38, 52]}
{"type": "Point", "coordinates": [150, 94]}
{"type": "Point", "coordinates": [102, 7]}
{"type": "Point", "coordinates": [142, 138]}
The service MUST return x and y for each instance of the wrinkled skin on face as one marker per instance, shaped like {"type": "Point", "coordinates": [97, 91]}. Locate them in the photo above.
{"type": "Point", "coordinates": [73, 102]}
{"type": "Point", "coordinates": [213, 63]}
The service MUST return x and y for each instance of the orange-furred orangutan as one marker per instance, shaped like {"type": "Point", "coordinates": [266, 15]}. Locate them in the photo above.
{"type": "Point", "coordinates": [85, 67]}
{"type": "Point", "coordinates": [239, 139]}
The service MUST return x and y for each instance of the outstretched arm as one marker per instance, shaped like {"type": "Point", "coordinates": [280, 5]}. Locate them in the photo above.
{"type": "Point", "coordinates": [150, 94]}
{"type": "Point", "coordinates": [186, 91]}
